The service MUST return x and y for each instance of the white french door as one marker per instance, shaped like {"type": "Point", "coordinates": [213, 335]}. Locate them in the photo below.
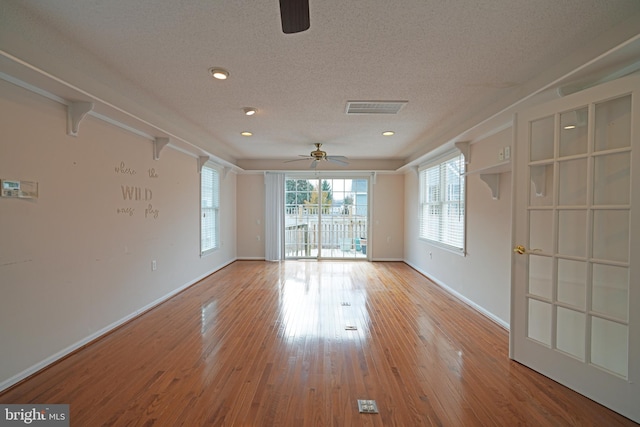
{"type": "Point", "coordinates": [576, 266]}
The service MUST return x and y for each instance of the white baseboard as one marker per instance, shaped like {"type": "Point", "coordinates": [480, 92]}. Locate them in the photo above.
{"type": "Point", "coordinates": [462, 298]}
{"type": "Point", "coordinates": [250, 258]}
{"type": "Point", "coordinates": [94, 336]}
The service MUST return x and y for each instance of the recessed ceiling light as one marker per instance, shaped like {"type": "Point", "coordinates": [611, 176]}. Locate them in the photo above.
{"type": "Point", "coordinates": [219, 73]}
{"type": "Point", "coordinates": [388, 133]}
{"type": "Point", "coordinates": [245, 133]}
{"type": "Point", "coordinates": [249, 111]}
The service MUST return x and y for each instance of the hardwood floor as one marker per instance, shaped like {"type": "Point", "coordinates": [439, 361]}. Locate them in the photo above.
{"type": "Point", "coordinates": [264, 344]}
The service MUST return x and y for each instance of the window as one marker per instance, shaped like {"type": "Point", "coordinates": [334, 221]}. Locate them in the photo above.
{"type": "Point", "coordinates": [442, 187]}
{"type": "Point", "coordinates": [209, 209]}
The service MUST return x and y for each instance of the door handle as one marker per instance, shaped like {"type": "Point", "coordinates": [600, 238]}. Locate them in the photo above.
{"type": "Point", "coordinates": [521, 250]}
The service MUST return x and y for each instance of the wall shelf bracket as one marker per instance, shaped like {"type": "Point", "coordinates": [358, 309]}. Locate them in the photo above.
{"type": "Point", "coordinates": [490, 175]}
{"type": "Point", "coordinates": [76, 111]}
{"type": "Point", "coordinates": [158, 145]}
{"type": "Point", "coordinates": [493, 182]}
{"type": "Point", "coordinates": [202, 160]}
{"type": "Point", "coordinates": [465, 148]}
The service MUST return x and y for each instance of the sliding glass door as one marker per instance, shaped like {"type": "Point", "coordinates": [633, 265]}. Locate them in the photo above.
{"type": "Point", "coordinates": [326, 217]}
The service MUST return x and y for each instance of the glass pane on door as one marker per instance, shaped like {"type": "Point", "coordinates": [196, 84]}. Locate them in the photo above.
{"type": "Point", "coordinates": [570, 333]}
{"type": "Point", "coordinates": [541, 276]}
{"type": "Point", "coordinates": [539, 327]}
{"type": "Point", "coordinates": [613, 124]}
{"type": "Point", "coordinates": [301, 213]}
{"type": "Point", "coordinates": [573, 132]}
{"type": "Point", "coordinates": [541, 146]}
{"type": "Point", "coordinates": [609, 345]}
{"type": "Point", "coordinates": [610, 292]}
{"type": "Point", "coordinates": [573, 182]}
{"type": "Point", "coordinates": [344, 218]}
{"type": "Point", "coordinates": [541, 230]}
{"type": "Point", "coordinates": [541, 185]}
{"type": "Point", "coordinates": [572, 232]}
{"type": "Point", "coordinates": [611, 235]}
{"type": "Point", "coordinates": [326, 218]}
{"type": "Point", "coordinates": [612, 179]}
{"type": "Point", "coordinates": [572, 280]}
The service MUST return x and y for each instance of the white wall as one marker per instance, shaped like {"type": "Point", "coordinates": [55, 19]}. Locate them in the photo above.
{"type": "Point", "coordinates": [71, 266]}
{"type": "Point", "coordinates": [250, 210]}
{"type": "Point", "coordinates": [388, 218]}
{"type": "Point", "coordinates": [483, 276]}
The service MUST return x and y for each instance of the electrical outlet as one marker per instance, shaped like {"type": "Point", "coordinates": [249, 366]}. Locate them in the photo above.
{"type": "Point", "coordinates": [501, 154]}
{"type": "Point", "coordinates": [154, 265]}
{"type": "Point", "coordinates": [507, 152]}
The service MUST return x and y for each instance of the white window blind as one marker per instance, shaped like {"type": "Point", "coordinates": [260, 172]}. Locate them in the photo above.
{"type": "Point", "coordinates": [209, 209]}
{"type": "Point", "coordinates": [442, 208]}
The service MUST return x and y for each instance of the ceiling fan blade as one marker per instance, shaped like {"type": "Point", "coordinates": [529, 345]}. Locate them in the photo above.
{"type": "Point", "coordinates": [313, 164]}
{"type": "Point", "coordinates": [297, 160]}
{"type": "Point", "coordinates": [340, 160]}
{"type": "Point", "coordinates": [294, 15]}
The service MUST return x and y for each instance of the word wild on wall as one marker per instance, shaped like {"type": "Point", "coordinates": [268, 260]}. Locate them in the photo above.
{"type": "Point", "coordinates": [136, 193]}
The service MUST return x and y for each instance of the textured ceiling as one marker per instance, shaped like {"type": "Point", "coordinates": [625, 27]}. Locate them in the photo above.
{"type": "Point", "coordinates": [455, 62]}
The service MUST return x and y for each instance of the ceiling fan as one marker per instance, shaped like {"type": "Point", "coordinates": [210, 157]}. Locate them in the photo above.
{"type": "Point", "coordinates": [318, 155]}
{"type": "Point", "coordinates": [294, 15]}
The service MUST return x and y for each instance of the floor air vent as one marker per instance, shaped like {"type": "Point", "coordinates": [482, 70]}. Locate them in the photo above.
{"type": "Point", "coordinates": [367, 406]}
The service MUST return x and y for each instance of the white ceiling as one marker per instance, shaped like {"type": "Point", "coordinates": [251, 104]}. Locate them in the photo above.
{"type": "Point", "coordinates": [457, 63]}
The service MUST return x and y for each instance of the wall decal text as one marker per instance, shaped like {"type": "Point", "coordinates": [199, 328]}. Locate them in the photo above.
{"type": "Point", "coordinates": [136, 193]}
{"type": "Point", "coordinates": [121, 168]}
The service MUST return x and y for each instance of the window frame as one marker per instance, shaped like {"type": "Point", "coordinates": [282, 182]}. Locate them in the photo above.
{"type": "Point", "coordinates": [444, 200]}
{"type": "Point", "coordinates": [213, 210]}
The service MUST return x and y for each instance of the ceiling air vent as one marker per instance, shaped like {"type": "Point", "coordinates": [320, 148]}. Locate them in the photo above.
{"type": "Point", "coordinates": [374, 107]}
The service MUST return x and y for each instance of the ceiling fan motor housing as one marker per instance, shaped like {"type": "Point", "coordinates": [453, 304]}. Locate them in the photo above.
{"type": "Point", "coordinates": [318, 154]}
